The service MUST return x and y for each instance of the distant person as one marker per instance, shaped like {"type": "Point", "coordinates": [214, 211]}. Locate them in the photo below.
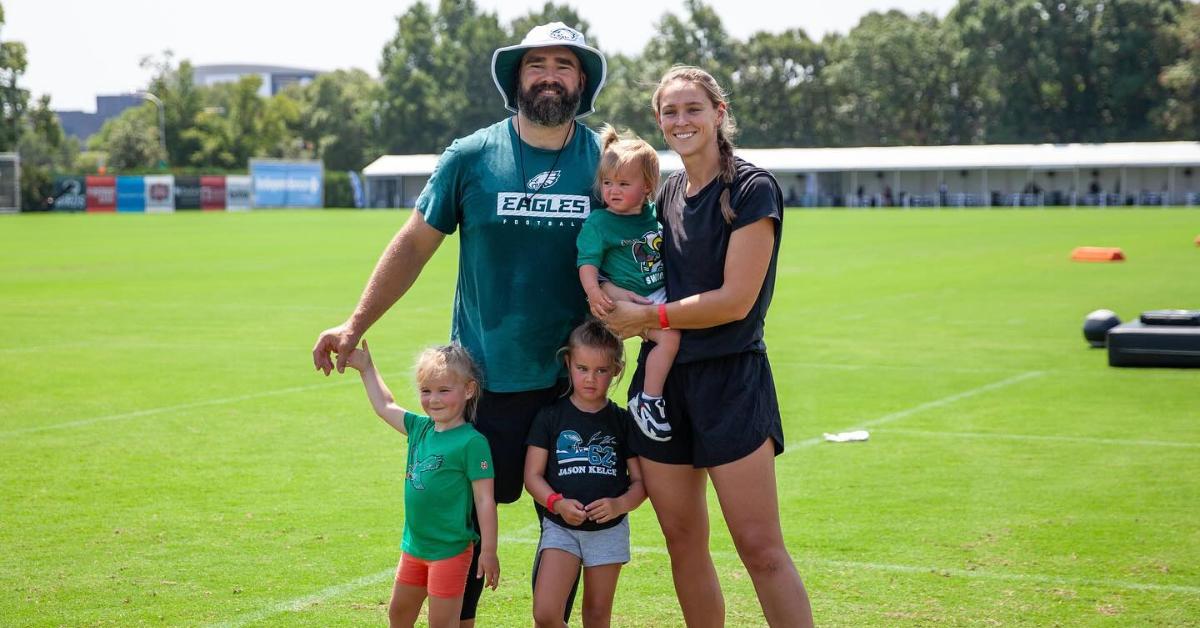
{"type": "Point", "coordinates": [722, 222]}
{"type": "Point", "coordinates": [623, 244]}
{"type": "Point", "coordinates": [580, 467]}
{"type": "Point", "coordinates": [518, 191]}
{"type": "Point", "coordinates": [448, 476]}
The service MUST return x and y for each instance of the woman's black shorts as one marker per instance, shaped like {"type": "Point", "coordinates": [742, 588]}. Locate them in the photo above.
{"type": "Point", "coordinates": [720, 409]}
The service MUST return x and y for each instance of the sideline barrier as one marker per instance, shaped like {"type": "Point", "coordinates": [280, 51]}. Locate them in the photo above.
{"type": "Point", "coordinates": [1098, 254]}
{"type": "Point", "coordinates": [101, 194]}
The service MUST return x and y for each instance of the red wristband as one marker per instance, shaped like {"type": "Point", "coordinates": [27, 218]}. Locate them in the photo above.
{"type": "Point", "coordinates": [663, 323]}
{"type": "Point", "coordinates": [554, 498]}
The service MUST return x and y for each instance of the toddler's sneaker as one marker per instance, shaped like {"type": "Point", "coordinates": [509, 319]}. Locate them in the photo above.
{"type": "Point", "coordinates": [650, 415]}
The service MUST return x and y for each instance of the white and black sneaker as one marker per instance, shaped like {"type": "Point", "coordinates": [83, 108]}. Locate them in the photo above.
{"type": "Point", "coordinates": [650, 415]}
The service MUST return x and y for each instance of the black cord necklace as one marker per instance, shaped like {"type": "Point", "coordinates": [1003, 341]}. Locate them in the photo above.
{"type": "Point", "coordinates": [527, 201]}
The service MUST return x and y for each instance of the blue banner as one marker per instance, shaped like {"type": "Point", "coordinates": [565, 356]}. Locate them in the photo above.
{"type": "Point", "coordinates": [287, 183]}
{"type": "Point", "coordinates": [131, 194]}
{"type": "Point", "coordinates": [356, 187]}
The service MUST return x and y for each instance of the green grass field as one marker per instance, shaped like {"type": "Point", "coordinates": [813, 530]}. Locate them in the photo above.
{"type": "Point", "coordinates": [169, 456]}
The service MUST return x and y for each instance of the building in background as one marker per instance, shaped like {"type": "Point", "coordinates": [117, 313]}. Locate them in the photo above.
{"type": "Point", "coordinates": [274, 77]}
{"type": "Point", "coordinates": [84, 124]}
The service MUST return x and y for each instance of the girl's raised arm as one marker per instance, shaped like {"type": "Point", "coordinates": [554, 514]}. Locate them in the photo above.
{"type": "Point", "coordinates": [381, 397]}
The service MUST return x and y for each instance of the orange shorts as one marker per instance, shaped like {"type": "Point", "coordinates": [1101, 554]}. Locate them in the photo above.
{"type": "Point", "coordinates": [443, 578]}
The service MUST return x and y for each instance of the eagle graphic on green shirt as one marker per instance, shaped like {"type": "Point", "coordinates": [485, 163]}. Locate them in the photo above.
{"type": "Point", "coordinates": [432, 463]}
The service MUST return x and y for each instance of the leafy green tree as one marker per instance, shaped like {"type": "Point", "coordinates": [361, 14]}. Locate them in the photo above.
{"type": "Point", "coordinates": [697, 39]}
{"type": "Point", "coordinates": [889, 78]}
{"type": "Point", "coordinates": [13, 99]}
{"type": "Point", "coordinates": [44, 150]}
{"type": "Point", "coordinates": [625, 100]}
{"type": "Point", "coordinates": [411, 118]}
{"type": "Point", "coordinates": [1179, 111]}
{"type": "Point", "coordinates": [337, 117]}
{"type": "Point", "coordinates": [182, 101]}
{"type": "Point", "coordinates": [782, 98]}
{"type": "Point", "coordinates": [130, 140]}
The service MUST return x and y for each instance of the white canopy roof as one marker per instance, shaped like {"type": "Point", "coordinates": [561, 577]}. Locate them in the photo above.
{"type": "Point", "coordinates": [890, 158]}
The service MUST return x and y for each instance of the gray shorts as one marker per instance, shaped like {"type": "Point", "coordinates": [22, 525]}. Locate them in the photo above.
{"type": "Point", "coordinates": [593, 547]}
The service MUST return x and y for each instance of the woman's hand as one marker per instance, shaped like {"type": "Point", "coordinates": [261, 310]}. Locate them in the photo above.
{"type": "Point", "coordinates": [630, 319]}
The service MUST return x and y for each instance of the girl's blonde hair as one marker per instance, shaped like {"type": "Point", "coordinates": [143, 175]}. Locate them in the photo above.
{"type": "Point", "coordinates": [454, 360]}
{"type": "Point", "coordinates": [618, 150]}
{"type": "Point", "coordinates": [593, 334]}
{"type": "Point", "coordinates": [726, 131]}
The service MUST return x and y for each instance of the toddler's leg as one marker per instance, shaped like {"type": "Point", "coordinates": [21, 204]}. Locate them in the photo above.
{"type": "Point", "coordinates": [599, 589]}
{"type": "Point", "coordinates": [556, 573]}
{"type": "Point", "coordinates": [660, 359]}
{"type": "Point", "coordinates": [648, 407]}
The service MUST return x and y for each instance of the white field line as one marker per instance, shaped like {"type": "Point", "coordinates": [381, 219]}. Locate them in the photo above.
{"type": "Point", "coordinates": [163, 409]}
{"type": "Point", "coordinates": [301, 603]}
{"type": "Point", "coordinates": [1086, 440]}
{"type": "Point", "coordinates": [936, 403]}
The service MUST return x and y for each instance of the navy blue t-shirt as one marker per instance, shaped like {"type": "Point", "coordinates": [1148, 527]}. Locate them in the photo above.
{"type": "Point", "coordinates": [695, 240]}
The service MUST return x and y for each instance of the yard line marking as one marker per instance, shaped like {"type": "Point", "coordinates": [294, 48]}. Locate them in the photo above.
{"type": "Point", "coordinates": [1040, 437]}
{"type": "Point", "coordinates": [937, 403]}
{"type": "Point", "coordinates": [304, 602]}
{"type": "Point", "coordinates": [182, 406]}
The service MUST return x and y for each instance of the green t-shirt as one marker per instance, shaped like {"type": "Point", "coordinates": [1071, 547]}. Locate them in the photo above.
{"type": "Point", "coordinates": [626, 248]}
{"type": "Point", "coordinates": [518, 293]}
{"type": "Point", "coordinates": [437, 487]}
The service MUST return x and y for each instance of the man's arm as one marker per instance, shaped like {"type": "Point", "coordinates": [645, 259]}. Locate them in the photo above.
{"type": "Point", "coordinates": [394, 274]}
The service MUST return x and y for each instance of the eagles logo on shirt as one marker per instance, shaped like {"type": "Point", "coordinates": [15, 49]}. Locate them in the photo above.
{"type": "Point", "coordinates": [544, 180]}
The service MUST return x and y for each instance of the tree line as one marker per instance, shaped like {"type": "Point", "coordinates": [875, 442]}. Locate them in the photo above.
{"type": "Point", "coordinates": [991, 71]}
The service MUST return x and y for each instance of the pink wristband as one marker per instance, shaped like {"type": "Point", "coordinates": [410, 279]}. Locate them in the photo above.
{"type": "Point", "coordinates": [554, 498]}
{"type": "Point", "coordinates": [663, 323]}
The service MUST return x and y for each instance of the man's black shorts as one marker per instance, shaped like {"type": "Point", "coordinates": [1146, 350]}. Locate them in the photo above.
{"type": "Point", "coordinates": [504, 419]}
{"type": "Point", "coordinates": [720, 410]}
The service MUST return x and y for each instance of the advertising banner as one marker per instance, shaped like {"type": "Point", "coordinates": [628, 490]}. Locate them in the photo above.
{"type": "Point", "coordinates": [287, 183]}
{"type": "Point", "coordinates": [237, 192]}
{"type": "Point", "coordinates": [70, 193]}
{"type": "Point", "coordinates": [131, 194]}
{"type": "Point", "coordinates": [212, 192]}
{"type": "Point", "coordinates": [187, 192]}
{"type": "Point", "coordinates": [101, 193]}
{"type": "Point", "coordinates": [160, 193]}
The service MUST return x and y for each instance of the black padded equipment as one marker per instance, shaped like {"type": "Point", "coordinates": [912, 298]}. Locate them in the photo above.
{"type": "Point", "coordinates": [1138, 344]}
{"type": "Point", "coordinates": [1096, 326]}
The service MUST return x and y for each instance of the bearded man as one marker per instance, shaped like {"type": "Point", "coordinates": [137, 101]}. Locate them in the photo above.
{"type": "Point", "coordinates": [518, 191]}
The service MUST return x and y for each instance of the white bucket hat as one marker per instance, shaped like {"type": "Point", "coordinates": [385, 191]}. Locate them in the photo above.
{"type": "Point", "coordinates": [506, 63]}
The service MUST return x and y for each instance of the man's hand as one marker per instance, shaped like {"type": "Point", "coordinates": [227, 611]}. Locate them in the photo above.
{"type": "Point", "coordinates": [340, 340]}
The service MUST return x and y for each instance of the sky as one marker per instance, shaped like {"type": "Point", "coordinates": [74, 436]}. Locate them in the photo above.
{"type": "Point", "coordinates": [80, 48]}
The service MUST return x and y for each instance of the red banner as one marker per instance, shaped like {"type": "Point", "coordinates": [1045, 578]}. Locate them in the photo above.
{"type": "Point", "coordinates": [212, 192]}
{"type": "Point", "coordinates": [101, 194]}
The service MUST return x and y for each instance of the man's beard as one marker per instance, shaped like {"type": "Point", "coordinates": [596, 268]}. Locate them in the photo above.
{"type": "Point", "coordinates": [548, 109]}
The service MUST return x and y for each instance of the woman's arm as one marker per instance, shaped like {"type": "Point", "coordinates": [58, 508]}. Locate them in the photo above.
{"type": "Point", "coordinates": [746, 262]}
{"type": "Point", "coordinates": [485, 511]}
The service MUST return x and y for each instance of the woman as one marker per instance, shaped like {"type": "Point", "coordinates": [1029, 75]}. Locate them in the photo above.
{"type": "Point", "coordinates": [722, 220]}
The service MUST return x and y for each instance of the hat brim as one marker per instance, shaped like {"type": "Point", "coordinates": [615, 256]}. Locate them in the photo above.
{"type": "Point", "coordinates": [506, 66]}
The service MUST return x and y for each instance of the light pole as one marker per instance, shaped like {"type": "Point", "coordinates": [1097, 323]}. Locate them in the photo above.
{"type": "Point", "coordinates": [162, 123]}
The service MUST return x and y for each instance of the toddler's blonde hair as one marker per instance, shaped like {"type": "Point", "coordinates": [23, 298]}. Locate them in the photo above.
{"type": "Point", "coordinates": [451, 359]}
{"type": "Point", "coordinates": [618, 150]}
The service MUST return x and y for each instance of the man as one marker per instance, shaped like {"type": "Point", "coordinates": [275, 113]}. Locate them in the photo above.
{"type": "Point", "coordinates": [518, 190]}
